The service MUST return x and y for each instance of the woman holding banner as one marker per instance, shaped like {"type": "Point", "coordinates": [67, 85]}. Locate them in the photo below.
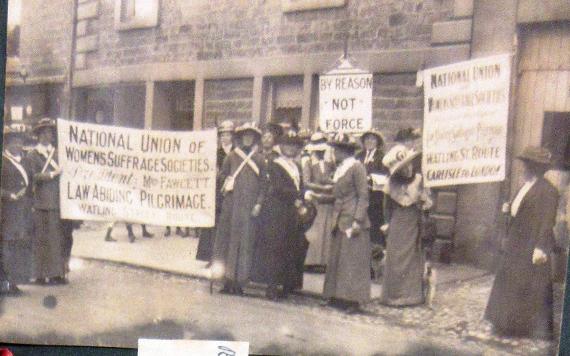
{"type": "Point", "coordinates": [49, 243]}
{"type": "Point", "coordinates": [244, 177]}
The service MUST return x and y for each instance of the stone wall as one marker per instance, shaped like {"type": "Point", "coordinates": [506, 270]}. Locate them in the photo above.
{"type": "Point", "coordinates": [45, 37]}
{"type": "Point", "coordinates": [228, 29]}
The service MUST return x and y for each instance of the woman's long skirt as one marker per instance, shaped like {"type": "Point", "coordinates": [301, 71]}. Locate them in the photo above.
{"type": "Point", "coordinates": [403, 273]}
{"type": "Point", "coordinates": [49, 245]}
{"type": "Point", "coordinates": [348, 268]}
{"type": "Point", "coordinates": [319, 236]}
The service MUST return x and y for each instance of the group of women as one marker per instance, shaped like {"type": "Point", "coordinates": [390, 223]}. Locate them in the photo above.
{"type": "Point", "coordinates": [290, 201]}
{"type": "Point", "coordinates": [36, 242]}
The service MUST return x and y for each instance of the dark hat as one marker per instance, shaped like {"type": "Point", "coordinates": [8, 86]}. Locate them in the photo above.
{"type": "Point", "coordinates": [275, 129]}
{"type": "Point", "coordinates": [408, 134]}
{"type": "Point", "coordinates": [291, 138]}
{"type": "Point", "coordinates": [14, 130]}
{"type": "Point", "coordinates": [342, 140]}
{"type": "Point", "coordinates": [375, 133]}
{"type": "Point", "coordinates": [248, 126]}
{"type": "Point", "coordinates": [535, 154]}
{"type": "Point", "coordinates": [46, 122]}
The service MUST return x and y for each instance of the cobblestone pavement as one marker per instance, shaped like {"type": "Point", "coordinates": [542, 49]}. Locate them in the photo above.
{"type": "Point", "coordinates": [457, 314]}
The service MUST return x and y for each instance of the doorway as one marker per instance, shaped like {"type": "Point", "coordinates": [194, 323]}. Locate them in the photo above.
{"type": "Point", "coordinates": [556, 136]}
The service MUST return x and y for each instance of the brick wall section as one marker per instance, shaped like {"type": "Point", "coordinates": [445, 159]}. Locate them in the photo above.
{"type": "Point", "coordinates": [227, 99]}
{"type": "Point", "coordinates": [46, 37]}
{"type": "Point", "coordinates": [223, 29]}
{"type": "Point", "coordinates": [396, 103]}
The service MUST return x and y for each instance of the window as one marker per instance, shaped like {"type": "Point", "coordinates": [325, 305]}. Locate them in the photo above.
{"type": "Point", "coordinates": [135, 14]}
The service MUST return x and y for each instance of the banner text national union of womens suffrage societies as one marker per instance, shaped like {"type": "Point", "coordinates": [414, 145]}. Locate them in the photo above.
{"type": "Point", "coordinates": [120, 174]}
{"type": "Point", "coordinates": [466, 108]}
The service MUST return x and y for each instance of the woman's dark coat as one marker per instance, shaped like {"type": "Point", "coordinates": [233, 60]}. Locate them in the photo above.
{"type": "Point", "coordinates": [376, 198]}
{"type": "Point", "coordinates": [281, 247]}
{"type": "Point", "coordinates": [207, 235]}
{"type": "Point", "coordinates": [16, 223]}
{"type": "Point", "coordinates": [520, 303]}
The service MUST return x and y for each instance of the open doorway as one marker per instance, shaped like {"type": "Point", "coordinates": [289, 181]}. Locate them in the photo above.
{"type": "Point", "coordinates": [556, 136]}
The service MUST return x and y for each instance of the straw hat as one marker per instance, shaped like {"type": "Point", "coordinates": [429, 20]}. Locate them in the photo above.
{"type": "Point", "coordinates": [398, 157]}
{"type": "Point", "coordinates": [318, 142]}
{"type": "Point", "coordinates": [248, 126]}
{"type": "Point", "coordinates": [538, 155]}
{"type": "Point", "coordinates": [226, 126]}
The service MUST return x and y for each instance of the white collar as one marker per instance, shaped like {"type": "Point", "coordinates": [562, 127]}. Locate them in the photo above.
{"type": "Point", "coordinates": [343, 168]}
{"type": "Point", "coordinates": [369, 155]}
{"type": "Point", "coordinates": [227, 148]}
{"type": "Point", "coordinates": [291, 168]}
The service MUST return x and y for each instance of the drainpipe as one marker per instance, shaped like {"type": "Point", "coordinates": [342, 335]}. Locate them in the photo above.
{"type": "Point", "coordinates": [71, 64]}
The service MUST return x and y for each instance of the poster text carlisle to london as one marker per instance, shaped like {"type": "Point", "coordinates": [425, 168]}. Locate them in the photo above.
{"type": "Point", "coordinates": [465, 121]}
{"type": "Point", "coordinates": [122, 174]}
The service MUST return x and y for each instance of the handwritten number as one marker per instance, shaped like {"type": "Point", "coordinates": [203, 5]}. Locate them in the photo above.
{"type": "Point", "coordinates": [226, 351]}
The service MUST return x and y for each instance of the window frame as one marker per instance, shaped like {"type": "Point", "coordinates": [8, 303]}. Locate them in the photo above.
{"type": "Point", "coordinates": [136, 22]}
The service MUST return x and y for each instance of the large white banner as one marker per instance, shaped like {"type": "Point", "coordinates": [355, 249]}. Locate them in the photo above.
{"type": "Point", "coordinates": [345, 101]}
{"type": "Point", "coordinates": [120, 174]}
{"type": "Point", "coordinates": [466, 108]}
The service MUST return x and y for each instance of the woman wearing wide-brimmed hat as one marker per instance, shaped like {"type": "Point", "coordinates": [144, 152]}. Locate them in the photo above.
{"type": "Point", "coordinates": [406, 200]}
{"type": "Point", "coordinates": [244, 177]}
{"type": "Point", "coordinates": [281, 247]}
{"type": "Point", "coordinates": [50, 236]}
{"type": "Point", "coordinates": [347, 280]}
{"type": "Point", "coordinates": [16, 211]}
{"type": "Point", "coordinates": [372, 155]}
{"type": "Point", "coordinates": [317, 178]}
{"type": "Point", "coordinates": [520, 303]}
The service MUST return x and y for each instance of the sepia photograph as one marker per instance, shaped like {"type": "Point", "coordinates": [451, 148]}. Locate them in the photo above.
{"type": "Point", "coordinates": [300, 177]}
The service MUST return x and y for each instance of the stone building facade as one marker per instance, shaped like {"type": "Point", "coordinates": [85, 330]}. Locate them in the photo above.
{"type": "Point", "coordinates": [177, 64]}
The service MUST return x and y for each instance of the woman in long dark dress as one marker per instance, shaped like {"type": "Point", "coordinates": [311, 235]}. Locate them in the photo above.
{"type": "Point", "coordinates": [280, 240]}
{"type": "Point", "coordinates": [16, 211]}
{"type": "Point", "coordinates": [521, 299]}
{"type": "Point", "coordinates": [347, 279]}
{"type": "Point", "coordinates": [243, 173]}
{"type": "Point", "coordinates": [207, 235]}
{"type": "Point", "coordinates": [406, 199]}
{"type": "Point", "coordinates": [371, 156]}
{"type": "Point", "coordinates": [50, 238]}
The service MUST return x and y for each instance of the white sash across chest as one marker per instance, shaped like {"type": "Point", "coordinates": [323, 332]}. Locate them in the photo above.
{"type": "Point", "coordinates": [247, 160]}
{"type": "Point", "coordinates": [18, 166]}
{"type": "Point", "coordinates": [291, 169]}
